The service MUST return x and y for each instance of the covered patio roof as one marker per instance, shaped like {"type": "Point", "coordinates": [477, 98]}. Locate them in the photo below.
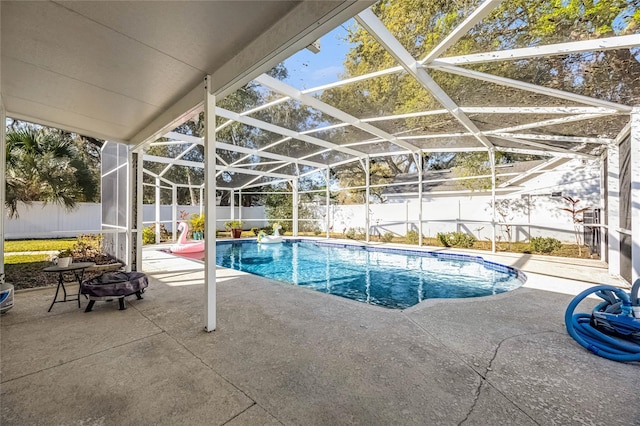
{"type": "Point", "coordinates": [125, 70]}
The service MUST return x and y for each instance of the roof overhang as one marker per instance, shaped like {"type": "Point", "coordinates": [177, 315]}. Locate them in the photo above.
{"type": "Point", "coordinates": [128, 71]}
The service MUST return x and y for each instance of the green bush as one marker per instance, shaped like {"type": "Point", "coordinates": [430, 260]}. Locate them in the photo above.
{"type": "Point", "coordinates": [149, 235]}
{"type": "Point", "coordinates": [88, 246]}
{"type": "Point", "coordinates": [412, 237]}
{"type": "Point", "coordinates": [456, 239]}
{"type": "Point", "coordinates": [387, 237]}
{"type": "Point", "coordinates": [356, 234]}
{"type": "Point", "coordinates": [545, 245]}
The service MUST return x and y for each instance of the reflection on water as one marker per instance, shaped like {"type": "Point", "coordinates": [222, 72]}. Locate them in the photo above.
{"type": "Point", "coordinates": [394, 280]}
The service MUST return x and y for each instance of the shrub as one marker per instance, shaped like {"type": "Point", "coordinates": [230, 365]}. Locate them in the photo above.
{"type": "Point", "coordinates": [412, 237]}
{"type": "Point", "coordinates": [545, 245]}
{"type": "Point", "coordinates": [317, 231]}
{"type": "Point", "coordinates": [456, 239]}
{"type": "Point", "coordinates": [356, 234]}
{"type": "Point", "coordinates": [88, 246]}
{"type": "Point", "coordinates": [149, 234]}
{"type": "Point", "coordinates": [387, 237]}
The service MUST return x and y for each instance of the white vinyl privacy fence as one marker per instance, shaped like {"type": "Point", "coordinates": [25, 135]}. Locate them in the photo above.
{"type": "Point", "coordinates": [52, 221]}
{"type": "Point", "coordinates": [526, 217]}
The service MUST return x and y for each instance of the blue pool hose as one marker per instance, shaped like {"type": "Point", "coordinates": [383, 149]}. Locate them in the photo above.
{"type": "Point", "coordinates": [624, 344]}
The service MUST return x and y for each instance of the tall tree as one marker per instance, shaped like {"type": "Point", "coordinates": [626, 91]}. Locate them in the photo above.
{"type": "Point", "coordinates": [420, 25]}
{"type": "Point", "coordinates": [46, 165]}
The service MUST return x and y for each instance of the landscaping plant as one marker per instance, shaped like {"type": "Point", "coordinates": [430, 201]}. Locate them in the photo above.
{"type": "Point", "coordinates": [574, 211]}
{"type": "Point", "coordinates": [545, 245]}
{"type": "Point", "coordinates": [456, 239]}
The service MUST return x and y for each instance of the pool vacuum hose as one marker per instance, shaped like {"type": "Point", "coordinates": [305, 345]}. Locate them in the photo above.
{"type": "Point", "coordinates": [611, 331]}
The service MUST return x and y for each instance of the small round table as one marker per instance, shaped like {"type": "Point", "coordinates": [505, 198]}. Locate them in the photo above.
{"type": "Point", "coordinates": [77, 273]}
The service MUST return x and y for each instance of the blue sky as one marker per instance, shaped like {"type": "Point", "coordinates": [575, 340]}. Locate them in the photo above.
{"type": "Point", "coordinates": [307, 69]}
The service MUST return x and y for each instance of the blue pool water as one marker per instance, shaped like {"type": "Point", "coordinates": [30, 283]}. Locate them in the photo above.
{"type": "Point", "coordinates": [387, 277]}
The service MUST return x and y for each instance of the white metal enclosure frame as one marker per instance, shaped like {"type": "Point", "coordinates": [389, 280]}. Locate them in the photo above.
{"type": "Point", "coordinates": [318, 154]}
{"type": "Point", "coordinates": [251, 169]}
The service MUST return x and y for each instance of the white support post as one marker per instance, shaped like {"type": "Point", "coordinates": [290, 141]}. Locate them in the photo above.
{"type": "Point", "coordinates": [232, 204]}
{"type": "Point", "coordinates": [613, 208]}
{"type": "Point", "coordinates": [634, 165]}
{"type": "Point", "coordinates": [492, 160]}
{"type": "Point", "coordinates": [328, 203]}
{"type": "Point", "coordinates": [294, 206]}
{"type": "Point", "coordinates": [419, 164]}
{"type": "Point", "coordinates": [240, 205]}
{"type": "Point", "coordinates": [174, 211]}
{"type": "Point", "coordinates": [210, 208]}
{"type": "Point", "coordinates": [367, 178]}
{"type": "Point", "coordinates": [139, 209]}
{"type": "Point", "coordinates": [604, 255]}
{"type": "Point", "coordinates": [157, 210]}
{"type": "Point", "coordinates": [129, 219]}
{"type": "Point", "coordinates": [200, 201]}
{"type": "Point", "coordinates": [3, 168]}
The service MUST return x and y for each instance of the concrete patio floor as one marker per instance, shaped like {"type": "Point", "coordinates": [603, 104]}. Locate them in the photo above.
{"type": "Point", "coordinates": [288, 355]}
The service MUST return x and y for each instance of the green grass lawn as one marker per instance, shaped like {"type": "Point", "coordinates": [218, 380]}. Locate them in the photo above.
{"type": "Point", "coordinates": [25, 258]}
{"type": "Point", "coordinates": [38, 245]}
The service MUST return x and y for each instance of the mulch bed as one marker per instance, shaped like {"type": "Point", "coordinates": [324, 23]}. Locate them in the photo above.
{"type": "Point", "coordinates": [30, 275]}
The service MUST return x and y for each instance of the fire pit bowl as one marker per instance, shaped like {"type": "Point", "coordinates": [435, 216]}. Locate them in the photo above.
{"type": "Point", "coordinates": [113, 285]}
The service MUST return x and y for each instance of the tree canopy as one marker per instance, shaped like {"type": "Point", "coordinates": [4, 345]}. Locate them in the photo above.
{"type": "Point", "coordinates": [50, 165]}
{"type": "Point", "coordinates": [420, 25]}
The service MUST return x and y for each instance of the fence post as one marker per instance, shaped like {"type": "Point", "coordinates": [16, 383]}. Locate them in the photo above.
{"type": "Point", "coordinates": [419, 163]}
{"type": "Point", "coordinates": [367, 193]}
{"type": "Point", "coordinates": [174, 211]}
{"type": "Point", "coordinates": [240, 205]}
{"type": "Point", "coordinates": [294, 206]}
{"type": "Point", "coordinates": [328, 202]}
{"type": "Point", "coordinates": [492, 160]}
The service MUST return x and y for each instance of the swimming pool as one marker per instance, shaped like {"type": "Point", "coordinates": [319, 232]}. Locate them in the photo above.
{"type": "Point", "coordinates": [393, 278]}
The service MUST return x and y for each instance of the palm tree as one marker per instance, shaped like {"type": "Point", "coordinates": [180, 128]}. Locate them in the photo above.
{"type": "Point", "coordinates": [43, 165]}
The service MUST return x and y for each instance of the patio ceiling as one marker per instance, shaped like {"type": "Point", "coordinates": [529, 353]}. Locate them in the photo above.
{"type": "Point", "coordinates": [524, 118]}
{"type": "Point", "coordinates": [132, 71]}
{"type": "Point", "coordinates": [126, 70]}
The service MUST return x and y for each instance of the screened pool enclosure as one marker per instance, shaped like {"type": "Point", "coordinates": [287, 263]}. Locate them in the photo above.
{"type": "Point", "coordinates": [387, 117]}
{"type": "Point", "coordinates": [473, 102]}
